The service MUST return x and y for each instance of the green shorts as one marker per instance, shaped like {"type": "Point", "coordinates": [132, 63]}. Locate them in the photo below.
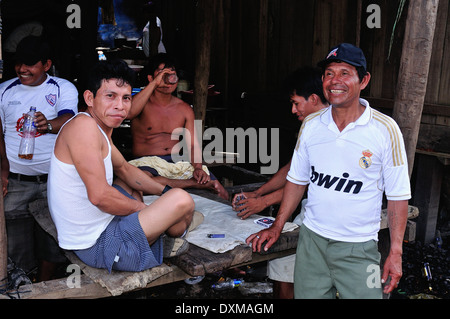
{"type": "Point", "coordinates": [324, 267]}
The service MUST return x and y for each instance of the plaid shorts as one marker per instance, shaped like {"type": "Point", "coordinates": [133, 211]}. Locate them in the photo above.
{"type": "Point", "coordinates": [123, 246]}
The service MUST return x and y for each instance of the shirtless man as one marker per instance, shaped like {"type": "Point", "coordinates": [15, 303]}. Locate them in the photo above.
{"type": "Point", "coordinates": [156, 115]}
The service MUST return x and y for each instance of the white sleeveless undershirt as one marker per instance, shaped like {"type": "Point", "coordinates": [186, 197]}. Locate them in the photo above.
{"type": "Point", "coordinates": [79, 223]}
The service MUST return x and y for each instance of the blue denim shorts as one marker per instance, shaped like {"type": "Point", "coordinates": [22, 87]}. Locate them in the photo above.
{"type": "Point", "coordinates": [123, 246]}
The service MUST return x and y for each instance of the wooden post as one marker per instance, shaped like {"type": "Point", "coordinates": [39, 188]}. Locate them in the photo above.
{"type": "Point", "coordinates": [204, 16]}
{"type": "Point", "coordinates": [358, 23]}
{"type": "Point", "coordinates": [3, 239]}
{"type": "Point", "coordinates": [413, 73]}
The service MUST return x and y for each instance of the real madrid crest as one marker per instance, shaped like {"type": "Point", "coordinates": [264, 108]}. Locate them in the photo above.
{"type": "Point", "coordinates": [366, 160]}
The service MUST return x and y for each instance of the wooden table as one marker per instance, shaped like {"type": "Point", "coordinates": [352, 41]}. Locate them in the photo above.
{"type": "Point", "coordinates": [98, 283]}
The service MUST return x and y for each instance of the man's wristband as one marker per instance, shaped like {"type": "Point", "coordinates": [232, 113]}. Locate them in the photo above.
{"type": "Point", "coordinates": [166, 189]}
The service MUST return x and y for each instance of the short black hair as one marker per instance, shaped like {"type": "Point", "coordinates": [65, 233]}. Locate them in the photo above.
{"type": "Point", "coordinates": [110, 69]}
{"type": "Point", "coordinates": [157, 60]}
{"type": "Point", "coordinates": [31, 50]}
{"type": "Point", "coordinates": [304, 82]}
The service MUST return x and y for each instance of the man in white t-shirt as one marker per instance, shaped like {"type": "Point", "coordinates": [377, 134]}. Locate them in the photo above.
{"type": "Point", "coordinates": [348, 154]}
{"type": "Point", "coordinates": [56, 100]}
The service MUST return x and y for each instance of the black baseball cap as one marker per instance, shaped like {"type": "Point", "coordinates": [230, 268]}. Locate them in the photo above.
{"type": "Point", "coordinates": [345, 52]}
{"type": "Point", "coordinates": [31, 50]}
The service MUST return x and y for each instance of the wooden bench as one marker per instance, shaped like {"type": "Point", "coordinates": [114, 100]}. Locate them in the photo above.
{"type": "Point", "coordinates": [98, 283]}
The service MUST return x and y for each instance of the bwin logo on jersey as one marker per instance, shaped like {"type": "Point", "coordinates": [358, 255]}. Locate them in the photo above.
{"type": "Point", "coordinates": [342, 184]}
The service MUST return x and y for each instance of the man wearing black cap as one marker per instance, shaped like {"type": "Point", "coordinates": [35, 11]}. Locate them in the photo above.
{"type": "Point", "coordinates": [56, 100]}
{"type": "Point", "coordinates": [348, 155]}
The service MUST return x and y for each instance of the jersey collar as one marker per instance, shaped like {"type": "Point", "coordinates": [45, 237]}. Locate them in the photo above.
{"type": "Point", "coordinates": [327, 117]}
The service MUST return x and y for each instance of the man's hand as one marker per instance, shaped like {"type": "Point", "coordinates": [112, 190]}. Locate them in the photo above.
{"type": "Point", "coordinates": [40, 122]}
{"type": "Point", "coordinates": [393, 270]}
{"type": "Point", "coordinates": [270, 235]}
{"type": "Point", "coordinates": [250, 206]}
{"type": "Point", "coordinates": [201, 176]}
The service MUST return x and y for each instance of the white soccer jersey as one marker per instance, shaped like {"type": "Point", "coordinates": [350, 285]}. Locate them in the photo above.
{"type": "Point", "coordinates": [53, 98]}
{"type": "Point", "coordinates": [348, 171]}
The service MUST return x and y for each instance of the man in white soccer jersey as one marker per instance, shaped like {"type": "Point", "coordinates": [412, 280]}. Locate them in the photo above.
{"type": "Point", "coordinates": [348, 154]}
{"type": "Point", "coordinates": [56, 101]}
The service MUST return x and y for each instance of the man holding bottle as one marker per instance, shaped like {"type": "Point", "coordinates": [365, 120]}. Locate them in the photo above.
{"type": "Point", "coordinates": [56, 100]}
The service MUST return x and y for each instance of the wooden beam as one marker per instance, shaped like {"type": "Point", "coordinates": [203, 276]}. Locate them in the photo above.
{"type": "Point", "coordinates": [414, 69]}
{"type": "Point", "coordinates": [3, 242]}
{"type": "Point", "coordinates": [204, 24]}
{"type": "Point", "coordinates": [427, 195]}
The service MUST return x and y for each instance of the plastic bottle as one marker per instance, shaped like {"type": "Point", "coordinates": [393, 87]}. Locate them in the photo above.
{"type": "Point", "coordinates": [249, 288]}
{"type": "Point", "coordinates": [101, 56]}
{"type": "Point", "coordinates": [227, 284]}
{"type": "Point", "coordinates": [427, 274]}
{"type": "Point", "coordinates": [26, 147]}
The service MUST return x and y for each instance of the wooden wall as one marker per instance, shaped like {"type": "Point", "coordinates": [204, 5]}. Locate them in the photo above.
{"type": "Point", "coordinates": [256, 43]}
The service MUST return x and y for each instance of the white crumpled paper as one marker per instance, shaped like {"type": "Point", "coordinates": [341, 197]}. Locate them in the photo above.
{"type": "Point", "coordinates": [221, 219]}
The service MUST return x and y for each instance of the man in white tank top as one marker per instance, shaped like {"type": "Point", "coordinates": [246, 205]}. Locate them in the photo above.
{"type": "Point", "coordinates": [103, 224]}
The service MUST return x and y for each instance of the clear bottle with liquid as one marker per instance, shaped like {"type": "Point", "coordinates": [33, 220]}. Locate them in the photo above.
{"type": "Point", "coordinates": [26, 147]}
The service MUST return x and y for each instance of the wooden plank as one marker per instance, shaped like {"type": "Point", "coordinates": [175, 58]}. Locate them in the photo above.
{"type": "Point", "coordinates": [204, 25]}
{"type": "Point", "coordinates": [427, 195]}
{"type": "Point", "coordinates": [3, 241]}
{"type": "Point", "coordinates": [262, 43]}
{"type": "Point", "coordinates": [116, 282]}
{"type": "Point", "coordinates": [198, 261]}
{"type": "Point", "coordinates": [378, 58]}
{"type": "Point", "coordinates": [428, 108]}
{"type": "Point", "coordinates": [444, 94]}
{"type": "Point", "coordinates": [322, 25]}
{"type": "Point", "coordinates": [437, 57]}
{"type": "Point", "coordinates": [58, 289]}
{"type": "Point", "coordinates": [434, 138]}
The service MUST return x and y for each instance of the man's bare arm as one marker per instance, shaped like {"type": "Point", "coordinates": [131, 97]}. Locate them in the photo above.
{"type": "Point", "coordinates": [133, 176]}
{"type": "Point", "coordinates": [140, 99]}
{"type": "Point", "coordinates": [85, 149]}
{"type": "Point", "coordinates": [397, 219]}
